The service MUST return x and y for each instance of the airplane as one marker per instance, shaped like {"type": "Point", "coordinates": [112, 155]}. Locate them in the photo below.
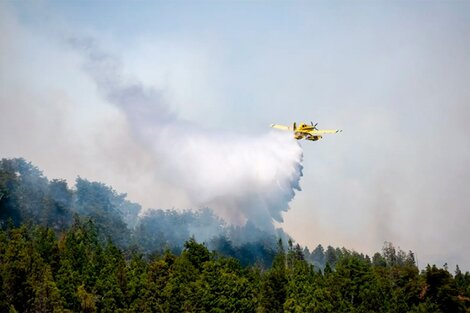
{"type": "Point", "coordinates": [305, 131]}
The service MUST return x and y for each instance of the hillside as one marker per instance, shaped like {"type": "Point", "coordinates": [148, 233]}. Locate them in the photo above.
{"type": "Point", "coordinates": [87, 249]}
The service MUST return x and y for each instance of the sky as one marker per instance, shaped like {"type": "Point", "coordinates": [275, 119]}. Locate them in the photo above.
{"type": "Point", "coordinates": [393, 75]}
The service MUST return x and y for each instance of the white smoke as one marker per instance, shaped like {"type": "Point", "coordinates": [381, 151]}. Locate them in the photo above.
{"type": "Point", "coordinates": [241, 177]}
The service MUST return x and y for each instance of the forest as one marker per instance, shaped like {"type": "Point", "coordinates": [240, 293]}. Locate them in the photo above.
{"type": "Point", "coordinates": [87, 249]}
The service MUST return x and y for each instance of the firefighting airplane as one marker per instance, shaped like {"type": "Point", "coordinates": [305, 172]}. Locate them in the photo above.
{"type": "Point", "coordinates": [305, 131]}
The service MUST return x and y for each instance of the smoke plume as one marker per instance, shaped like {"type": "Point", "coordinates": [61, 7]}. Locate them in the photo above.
{"type": "Point", "coordinates": [242, 178]}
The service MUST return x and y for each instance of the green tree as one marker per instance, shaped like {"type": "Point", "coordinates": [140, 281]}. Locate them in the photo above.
{"type": "Point", "coordinates": [101, 204]}
{"type": "Point", "coordinates": [354, 282]}
{"type": "Point", "coordinates": [46, 294]}
{"type": "Point", "coordinates": [331, 256]}
{"type": "Point", "coordinates": [301, 286]}
{"type": "Point", "coordinates": [17, 264]}
{"type": "Point", "coordinates": [222, 287]}
{"type": "Point", "coordinates": [87, 300]}
{"type": "Point", "coordinates": [273, 284]}
{"type": "Point", "coordinates": [441, 289]}
{"type": "Point", "coordinates": [111, 282]}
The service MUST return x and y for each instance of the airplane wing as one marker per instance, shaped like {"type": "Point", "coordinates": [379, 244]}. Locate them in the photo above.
{"type": "Point", "coordinates": [282, 127]}
{"type": "Point", "coordinates": [326, 131]}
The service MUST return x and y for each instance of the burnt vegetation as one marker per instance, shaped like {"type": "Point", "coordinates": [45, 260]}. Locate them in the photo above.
{"type": "Point", "coordinates": [86, 249]}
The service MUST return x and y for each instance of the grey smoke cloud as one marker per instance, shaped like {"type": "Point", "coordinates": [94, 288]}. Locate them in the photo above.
{"type": "Point", "coordinates": [241, 177]}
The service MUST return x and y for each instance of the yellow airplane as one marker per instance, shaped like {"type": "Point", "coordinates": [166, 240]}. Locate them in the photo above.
{"type": "Point", "coordinates": [305, 131]}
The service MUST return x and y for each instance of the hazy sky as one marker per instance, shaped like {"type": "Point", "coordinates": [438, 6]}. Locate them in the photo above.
{"type": "Point", "coordinates": [393, 75]}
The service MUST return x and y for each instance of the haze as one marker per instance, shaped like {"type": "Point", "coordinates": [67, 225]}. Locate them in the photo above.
{"type": "Point", "coordinates": [393, 75]}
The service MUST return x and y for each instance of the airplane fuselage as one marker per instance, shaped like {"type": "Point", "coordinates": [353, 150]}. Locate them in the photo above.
{"type": "Point", "coordinates": [306, 131]}
{"type": "Point", "coordinates": [307, 136]}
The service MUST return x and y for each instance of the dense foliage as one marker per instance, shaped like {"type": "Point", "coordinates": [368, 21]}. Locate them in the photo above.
{"type": "Point", "coordinates": [76, 272]}
{"type": "Point", "coordinates": [86, 250]}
